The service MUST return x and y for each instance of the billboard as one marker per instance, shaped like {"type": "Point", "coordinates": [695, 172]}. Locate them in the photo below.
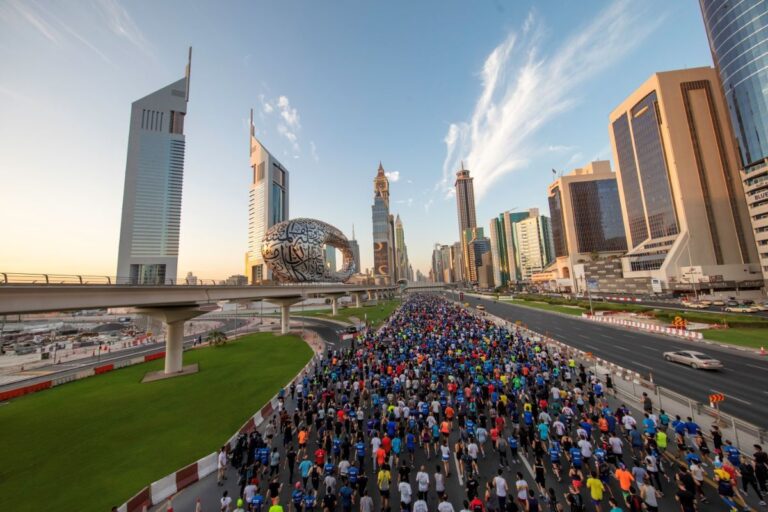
{"type": "Point", "coordinates": [381, 258]}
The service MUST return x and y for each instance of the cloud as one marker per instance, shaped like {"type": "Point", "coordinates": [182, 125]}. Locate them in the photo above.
{"type": "Point", "coordinates": [428, 205]}
{"type": "Point", "coordinates": [524, 89]}
{"type": "Point", "coordinates": [289, 114]}
{"type": "Point", "coordinates": [393, 176]}
{"type": "Point", "coordinates": [288, 134]}
{"type": "Point", "coordinates": [33, 14]}
{"type": "Point", "coordinates": [313, 151]}
{"type": "Point", "coordinates": [408, 202]}
{"type": "Point", "coordinates": [559, 148]}
{"type": "Point", "coordinates": [122, 25]}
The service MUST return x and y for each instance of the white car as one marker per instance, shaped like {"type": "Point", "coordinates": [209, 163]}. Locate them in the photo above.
{"type": "Point", "coordinates": [693, 359]}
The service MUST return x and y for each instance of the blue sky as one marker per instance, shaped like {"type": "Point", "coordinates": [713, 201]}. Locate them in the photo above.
{"type": "Point", "coordinates": [513, 88]}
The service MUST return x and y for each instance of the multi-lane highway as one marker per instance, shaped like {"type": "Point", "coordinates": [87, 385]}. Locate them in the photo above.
{"type": "Point", "coordinates": [743, 380]}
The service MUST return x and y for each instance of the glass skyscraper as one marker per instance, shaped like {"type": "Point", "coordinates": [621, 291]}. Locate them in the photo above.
{"type": "Point", "coordinates": [738, 38]}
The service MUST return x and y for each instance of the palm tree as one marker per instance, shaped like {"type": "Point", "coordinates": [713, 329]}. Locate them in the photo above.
{"type": "Point", "coordinates": [216, 338]}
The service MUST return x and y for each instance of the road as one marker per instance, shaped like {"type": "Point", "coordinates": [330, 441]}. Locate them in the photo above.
{"type": "Point", "coordinates": [677, 306]}
{"type": "Point", "coordinates": [742, 381]}
{"type": "Point", "coordinates": [209, 493]}
{"type": "Point", "coordinates": [72, 367]}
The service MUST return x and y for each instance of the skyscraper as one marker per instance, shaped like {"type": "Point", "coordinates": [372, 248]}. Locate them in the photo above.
{"type": "Point", "coordinates": [465, 207]}
{"type": "Point", "coordinates": [355, 247]}
{"type": "Point", "coordinates": [154, 173]}
{"type": "Point", "coordinates": [586, 219]}
{"type": "Point", "coordinates": [383, 235]}
{"type": "Point", "coordinates": [267, 205]}
{"type": "Point", "coordinates": [401, 250]}
{"type": "Point", "coordinates": [533, 244]}
{"type": "Point", "coordinates": [504, 255]}
{"type": "Point", "coordinates": [685, 216]}
{"type": "Point", "coordinates": [738, 39]}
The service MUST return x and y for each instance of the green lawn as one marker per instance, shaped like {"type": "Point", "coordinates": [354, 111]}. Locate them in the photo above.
{"type": "Point", "coordinates": [754, 338]}
{"type": "Point", "coordinates": [375, 314]}
{"type": "Point", "coordinates": [576, 311]}
{"type": "Point", "coordinates": [93, 443]}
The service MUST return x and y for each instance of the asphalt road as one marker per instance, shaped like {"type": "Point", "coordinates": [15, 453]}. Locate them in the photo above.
{"type": "Point", "coordinates": [72, 367]}
{"type": "Point", "coordinates": [743, 381]}
{"type": "Point", "coordinates": [679, 307]}
{"type": "Point", "coordinates": [209, 493]}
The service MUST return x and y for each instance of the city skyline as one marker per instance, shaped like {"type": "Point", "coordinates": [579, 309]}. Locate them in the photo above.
{"type": "Point", "coordinates": [131, 54]}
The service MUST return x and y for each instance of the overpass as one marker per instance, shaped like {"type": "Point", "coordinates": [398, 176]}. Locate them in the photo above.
{"type": "Point", "coordinates": [422, 286]}
{"type": "Point", "coordinates": [171, 304]}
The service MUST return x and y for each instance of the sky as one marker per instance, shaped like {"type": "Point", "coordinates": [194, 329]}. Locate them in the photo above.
{"type": "Point", "coordinates": [514, 89]}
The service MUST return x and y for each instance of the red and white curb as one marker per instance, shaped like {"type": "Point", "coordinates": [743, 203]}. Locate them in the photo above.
{"type": "Point", "coordinates": [670, 331]}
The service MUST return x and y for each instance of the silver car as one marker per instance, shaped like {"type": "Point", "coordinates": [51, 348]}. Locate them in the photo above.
{"type": "Point", "coordinates": [693, 359]}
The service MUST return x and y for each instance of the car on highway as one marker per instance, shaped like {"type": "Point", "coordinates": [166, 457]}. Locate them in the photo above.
{"type": "Point", "coordinates": [761, 306]}
{"type": "Point", "coordinates": [705, 302]}
{"type": "Point", "coordinates": [696, 305]}
{"type": "Point", "coordinates": [693, 359]}
{"type": "Point", "coordinates": [739, 308]}
{"type": "Point", "coordinates": [718, 302]}
{"type": "Point", "coordinates": [480, 307]}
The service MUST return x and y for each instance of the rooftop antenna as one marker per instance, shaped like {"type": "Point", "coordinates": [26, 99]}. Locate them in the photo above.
{"type": "Point", "coordinates": [187, 72]}
{"type": "Point", "coordinates": [250, 125]}
{"type": "Point", "coordinates": [353, 231]}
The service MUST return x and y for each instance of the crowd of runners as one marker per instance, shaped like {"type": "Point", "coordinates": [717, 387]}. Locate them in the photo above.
{"type": "Point", "coordinates": [442, 410]}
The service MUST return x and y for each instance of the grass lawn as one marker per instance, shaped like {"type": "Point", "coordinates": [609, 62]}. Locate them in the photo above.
{"type": "Point", "coordinates": [93, 443]}
{"type": "Point", "coordinates": [568, 310]}
{"type": "Point", "coordinates": [745, 337]}
{"type": "Point", "coordinates": [376, 314]}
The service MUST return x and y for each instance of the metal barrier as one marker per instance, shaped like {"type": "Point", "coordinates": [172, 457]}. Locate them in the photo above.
{"type": "Point", "coordinates": [10, 278]}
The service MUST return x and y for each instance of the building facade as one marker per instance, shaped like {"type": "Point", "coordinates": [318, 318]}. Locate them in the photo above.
{"type": "Point", "coordinates": [383, 230]}
{"type": "Point", "coordinates": [587, 223]}
{"type": "Point", "coordinates": [355, 247]}
{"type": "Point", "coordinates": [401, 251]}
{"type": "Point", "coordinates": [685, 217]}
{"type": "Point", "coordinates": [738, 39]}
{"type": "Point", "coordinates": [465, 208]}
{"type": "Point", "coordinates": [504, 254]}
{"type": "Point", "coordinates": [154, 173]}
{"type": "Point", "coordinates": [533, 244]}
{"type": "Point", "coordinates": [267, 205]}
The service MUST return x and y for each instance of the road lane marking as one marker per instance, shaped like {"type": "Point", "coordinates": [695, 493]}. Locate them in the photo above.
{"type": "Point", "coordinates": [527, 466]}
{"type": "Point", "coordinates": [591, 346]}
{"type": "Point", "coordinates": [644, 366]}
{"type": "Point", "coordinates": [458, 473]}
{"type": "Point", "coordinates": [649, 347]}
{"type": "Point", "coordinates": [731, 397]}
{"type": "Point", "coordinates": [621, 348]}
{"type": "Point", "coordinates": [765, 368]}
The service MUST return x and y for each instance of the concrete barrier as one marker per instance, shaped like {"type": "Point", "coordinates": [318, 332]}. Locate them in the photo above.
{"type": "Point", "coordinates": [163, 488]}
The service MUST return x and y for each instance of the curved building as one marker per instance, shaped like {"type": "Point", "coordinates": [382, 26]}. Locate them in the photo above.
{"type": "Point", "coordinates": [738, 38]}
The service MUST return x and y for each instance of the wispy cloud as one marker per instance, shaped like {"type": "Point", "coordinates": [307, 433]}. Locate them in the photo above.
{"type": "Point", "coordinates": [313, 151]}
{"type": "Point", "coordinates": [64, 26]}
{"type": "Point", "coordinates": [289, 122]}
{"type": "Point", "coordinates": [393, 176]}
{"type": "Point", "coordinates": [524, 89]}
{"type": "Point", "coordinates": [122, 25]}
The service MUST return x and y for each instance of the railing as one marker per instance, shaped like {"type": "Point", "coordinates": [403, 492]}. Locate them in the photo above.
{"type": "Point", "coordinates": [10, 278]}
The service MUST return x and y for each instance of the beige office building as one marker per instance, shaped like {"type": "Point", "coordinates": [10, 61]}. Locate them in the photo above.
{"type": "Point", "coordinates": [586, 221]}
{"type": "Point", "coordinates": [685, 216]}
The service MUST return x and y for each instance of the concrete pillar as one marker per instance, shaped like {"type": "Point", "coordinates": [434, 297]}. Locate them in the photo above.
{"type": "Point", "coordinates": [335, 302]}
{"type": "Point", "coordinates": [285, 311]}
{"type": "Point", "coordinates": [358, 303]}
{"type": "Point", "coordinates": [173, 318]}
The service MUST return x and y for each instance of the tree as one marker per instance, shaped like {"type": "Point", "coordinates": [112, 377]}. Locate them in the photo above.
{"type": "Point", "coordinates": [216, 338]}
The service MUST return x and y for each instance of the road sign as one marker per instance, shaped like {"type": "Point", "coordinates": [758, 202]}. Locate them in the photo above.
{"type": "Point", "coordinates": [593, 284]}
{"type": "Point", "coordinates": [716, 398]}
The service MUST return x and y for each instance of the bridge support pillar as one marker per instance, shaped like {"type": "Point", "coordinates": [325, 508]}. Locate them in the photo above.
{"type": "Point", "coordinates": [173, 318]}
{"type": "Point", "coordinates": [335, 302]}
{"type": "Point", "coordinates": [357, 296]}
{"type": "Point", "coordinates": [285, 311]}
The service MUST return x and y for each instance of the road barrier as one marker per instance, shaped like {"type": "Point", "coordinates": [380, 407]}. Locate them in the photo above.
{"type": "Point", "coordinates": [670, 331]}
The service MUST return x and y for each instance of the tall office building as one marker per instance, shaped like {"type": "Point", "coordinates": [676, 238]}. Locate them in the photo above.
{"type": "Point", "coordinates": [685, 217]}
{"type": "Point", "coordinates": [457, 262]}
{"type": "Point", "coordinates": [465, 207]}
{"type": "Point", "coordinates": [401, 252]}
{"type": "Point", "coordinates": [586, 220]}
{"type": "Point", "coordinates": [533, 244]}
{"type": "Point", "coordinates": [154, 173]}
{"type": "Point", "coordinates": [267, 205]}
{"type": "Point", "coordinates": [738, 39]}
{"type": "Point", "coordinates": [355, 247]}
{"type": "Point", "coordinates": [504, 255]}
{"type": "Point", "coordinates": [383, 230]}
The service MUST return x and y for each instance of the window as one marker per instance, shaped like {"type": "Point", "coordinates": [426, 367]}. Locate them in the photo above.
{"type": "Point", "coordinates": [177, 122]}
